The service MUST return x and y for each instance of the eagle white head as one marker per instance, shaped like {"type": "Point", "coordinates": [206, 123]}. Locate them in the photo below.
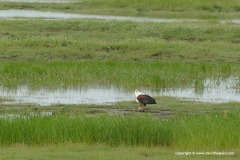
{"type": "Point", "coordinates": [137, 93]}
{"type": "Point", "coordinates": [143, 99]}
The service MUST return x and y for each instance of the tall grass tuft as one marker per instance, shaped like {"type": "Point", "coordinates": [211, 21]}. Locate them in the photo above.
{"type": "Point", "coordinates": [123, 73]}
{"type": "Point", "coordinates": [203, 131]}
{"type": "Point", "coordinates": [214, 130]}
{"type": "Point", "coordinates": [104, 129]}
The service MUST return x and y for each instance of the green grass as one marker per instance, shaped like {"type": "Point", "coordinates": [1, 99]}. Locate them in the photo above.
{"type": "Point", "coordinates": [209, 133]}
{"type": "Point", "coordinates": [196, 132]}
{"type": "Point", "coordinates": [129, 54]}
{"type": "Point", "coordinates": [100, 39]}
{"type": "Point", "coordinates": [204, 9]}
{"type": "Point", "coordinates": [100, 129]}
{"type": "Point", "coordinates": [123, 73]}
{"type": "Point", "coordinates": [96, 152]}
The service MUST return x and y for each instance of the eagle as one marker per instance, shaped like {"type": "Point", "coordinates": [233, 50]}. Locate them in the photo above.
{"type": "Point", "coordinates": [143, 99]}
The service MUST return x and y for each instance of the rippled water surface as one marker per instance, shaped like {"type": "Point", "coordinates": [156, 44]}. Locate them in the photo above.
{"type": "Point", "coordinates": [212, 91]}
{"type": "Point", "coordinates": [14, 13]}
{"type": "Point", "coordinates": [71, 95]}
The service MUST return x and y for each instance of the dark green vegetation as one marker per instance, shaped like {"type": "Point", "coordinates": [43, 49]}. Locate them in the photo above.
{"type": "Point", "coordinates": [124, 73]}
{"type": "Point", "coordinates": [196, 132]}
{"type": "Point", "coordinates": [80, 52]}
{"type": "Point", "coordinates": [205, 9]}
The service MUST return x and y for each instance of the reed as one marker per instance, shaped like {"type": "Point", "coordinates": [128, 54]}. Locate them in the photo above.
{"type": "Point", "coordinates": [125, 74]}
{"type": "Point", "coordinates": [208, 131]}
{"type": "Point", "coordinates": [215, 130]}
{"type": "Point", "coordinates": [103, 129]}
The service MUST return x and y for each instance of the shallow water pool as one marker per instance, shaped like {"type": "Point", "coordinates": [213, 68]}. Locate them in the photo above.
{"type": "Point", "coordinates": [213, 91]}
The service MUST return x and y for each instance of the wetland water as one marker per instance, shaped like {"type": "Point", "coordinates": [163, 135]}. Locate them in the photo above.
{"type": "Point", "coordinates": [213, 91]}
{"type": "Point", "coordinates": [14, 13]}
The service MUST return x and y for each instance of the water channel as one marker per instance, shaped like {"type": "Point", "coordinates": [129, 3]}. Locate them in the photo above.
{"type": "Point", "coordinates": [15, 13]}
{"type": "Point", "coordinates": [213, 91]}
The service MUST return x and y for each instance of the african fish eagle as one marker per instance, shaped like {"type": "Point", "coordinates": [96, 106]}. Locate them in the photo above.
{"type": "Point", "coordinates": [144, 99]}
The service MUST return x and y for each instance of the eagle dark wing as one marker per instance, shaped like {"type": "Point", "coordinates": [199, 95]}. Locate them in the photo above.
{"type": "Point", "coordinates": [146, 99]}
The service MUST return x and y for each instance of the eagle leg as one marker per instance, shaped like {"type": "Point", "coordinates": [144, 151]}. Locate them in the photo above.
{"type": "Point", "coordinates": [142, 107]}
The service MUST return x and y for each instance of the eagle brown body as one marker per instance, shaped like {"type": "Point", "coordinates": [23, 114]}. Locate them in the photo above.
{"type": "Point", "coordinates": [144, 99]}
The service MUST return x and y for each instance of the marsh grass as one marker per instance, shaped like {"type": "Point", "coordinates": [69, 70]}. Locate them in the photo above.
{"type": "Point", "coordinates": [99, 39]}
{"type": "Point", "coordinates": [98, 52]}
{"type": "Point", "coordinates": [209, 130]}
{"type": "Point", "coordinates": [103, 129]}
{"type": "Point", "coordinates": [107, 73]}
{"type": "Point", "coordinates": [205, 131]}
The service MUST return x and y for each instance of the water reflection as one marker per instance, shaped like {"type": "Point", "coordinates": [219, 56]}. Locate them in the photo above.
{"type": "Point", "coordinates": [214, 91]}
{"type": "Point", "coordinates": [71, 95]}
{"type": "Point", "coordinates": [46, 14]}
{"type": "Point", "coordinates": [235, 21]}
{"type": "Point", "coordinates": [14, 13]}
{"type": "Point", "coordinates": [208, 90]}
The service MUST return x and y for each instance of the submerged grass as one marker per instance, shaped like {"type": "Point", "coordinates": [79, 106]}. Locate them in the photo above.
{"type": "Point", "coordinates": [207, 131]}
